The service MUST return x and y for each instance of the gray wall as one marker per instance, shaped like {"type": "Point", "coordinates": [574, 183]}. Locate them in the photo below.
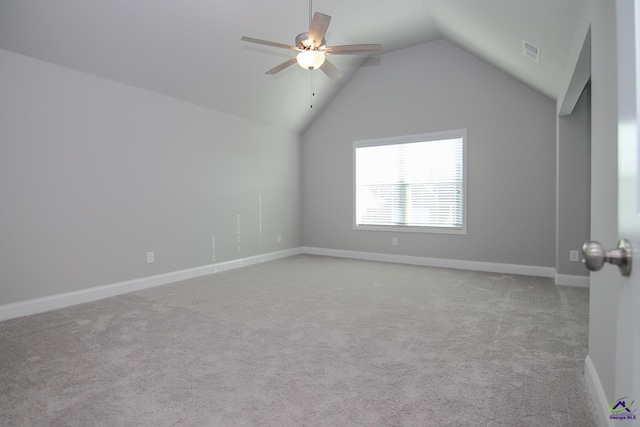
{"type": "Point", "coordinates": [574, 198]}
{"type": "Point", "coordinates": [434, 87]}
{"type": "Point", "coordinates": [93, 174]}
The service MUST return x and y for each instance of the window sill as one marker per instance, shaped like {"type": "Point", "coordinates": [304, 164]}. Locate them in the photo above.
{"type": "Point", "coordinates": [409, 229]}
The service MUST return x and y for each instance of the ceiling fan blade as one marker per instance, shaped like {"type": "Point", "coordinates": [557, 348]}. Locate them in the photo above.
{"type": "Point", "coordinates": [282, 66]}
{"type": "Point", "coordinates": [318, 28]}
{"type": "Point", "coordinates": [330, 70]}
{"type": "Point", "coordinates": [354, 49]}
{"type": "Point", "coordinates": [268, 43]}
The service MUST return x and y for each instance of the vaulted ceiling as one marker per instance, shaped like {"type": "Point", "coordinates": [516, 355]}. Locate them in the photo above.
{"type": "Point", "coordinates": [191, 49]}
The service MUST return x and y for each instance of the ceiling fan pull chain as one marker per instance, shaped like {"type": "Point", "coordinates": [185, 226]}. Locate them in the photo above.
{"type": "Point", "coordinates": [313, 93]}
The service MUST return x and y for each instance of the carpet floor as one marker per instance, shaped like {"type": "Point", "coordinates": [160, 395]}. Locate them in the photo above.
{"type": "Point", "coordinates": [307, 341]}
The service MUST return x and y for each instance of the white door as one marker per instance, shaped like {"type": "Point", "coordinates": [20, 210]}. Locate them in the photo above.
{"type": "Point", "coordinates": [628, 324]}
{"type": "Point", "coordinates": [623, 288]}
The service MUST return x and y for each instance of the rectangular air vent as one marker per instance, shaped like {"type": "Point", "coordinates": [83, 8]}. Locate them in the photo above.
{"type": "Point", "coordinates": [530, 51]}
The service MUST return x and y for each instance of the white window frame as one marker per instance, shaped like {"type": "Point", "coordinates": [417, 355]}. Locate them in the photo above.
{"type": "Point", "coordinates": [431, 136]}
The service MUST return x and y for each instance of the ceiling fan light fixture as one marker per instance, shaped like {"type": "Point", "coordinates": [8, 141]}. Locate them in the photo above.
{"type": "Point", "coordinates": [312, 48]}
{"type": "Point", "coordinates": [310, 59]}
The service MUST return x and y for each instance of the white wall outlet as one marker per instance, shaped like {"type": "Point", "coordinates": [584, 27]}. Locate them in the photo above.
{"type": "Point", "coordinates": [279, 239]}
{"type": "Point", "coordinates": [574, 256]}
{"type": "Point", "coordinates": [394, 241]}
{"type": "Point", "coordinates": [151, 256]}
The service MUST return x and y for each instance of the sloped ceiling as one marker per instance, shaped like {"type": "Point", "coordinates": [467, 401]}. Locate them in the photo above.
{"type": "Point", "coordinates": [191, 49]}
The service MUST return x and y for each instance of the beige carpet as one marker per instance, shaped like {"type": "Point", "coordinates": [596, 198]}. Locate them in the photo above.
{"type": "Point", "coordinates": [311, 341]}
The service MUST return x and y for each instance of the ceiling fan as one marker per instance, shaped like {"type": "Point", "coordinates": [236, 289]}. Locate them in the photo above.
{"type": "Point", "coordinates": [312, 49]}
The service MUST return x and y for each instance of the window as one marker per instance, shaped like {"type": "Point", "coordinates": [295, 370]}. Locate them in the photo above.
{"type": "Point", "coordinates": [411, 183]}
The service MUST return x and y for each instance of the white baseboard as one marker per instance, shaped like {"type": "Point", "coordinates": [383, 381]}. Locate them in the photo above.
{"type": "Point", "coordinates": [53, 302]}
{"type": "Point", "coordinates": [597, 393]}
{"type": "Point", "coordinates": [527, 270]}
{"type": "Point", "coordinates": [577, 281]}
{"type": "Point", "coordinates": [39, 305]}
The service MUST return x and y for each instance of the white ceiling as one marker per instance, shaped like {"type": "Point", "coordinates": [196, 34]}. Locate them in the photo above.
{"type": "Point", "coordinates": [191, 49]}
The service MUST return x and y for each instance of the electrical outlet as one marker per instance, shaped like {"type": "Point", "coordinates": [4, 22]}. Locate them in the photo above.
{"type": "Point", "coordinates": [574, 256]}
{"type": "Point", "coordinates": [151, 257]}
{"type": "Point", "coordinates": [279, 239]}
{"type": "Point", "coordinates": [394, 241]}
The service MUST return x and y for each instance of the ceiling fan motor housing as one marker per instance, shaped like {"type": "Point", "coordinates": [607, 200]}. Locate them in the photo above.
{"type": "Point", "coordinates": [302, 42]}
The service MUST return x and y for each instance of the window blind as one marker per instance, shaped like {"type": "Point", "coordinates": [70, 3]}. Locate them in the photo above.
{"type": "Point", "coordinates": [413, 184]}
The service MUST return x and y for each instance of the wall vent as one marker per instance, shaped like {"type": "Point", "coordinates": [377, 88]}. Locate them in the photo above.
{"type": "Point", "coordinates": [530, 51]}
